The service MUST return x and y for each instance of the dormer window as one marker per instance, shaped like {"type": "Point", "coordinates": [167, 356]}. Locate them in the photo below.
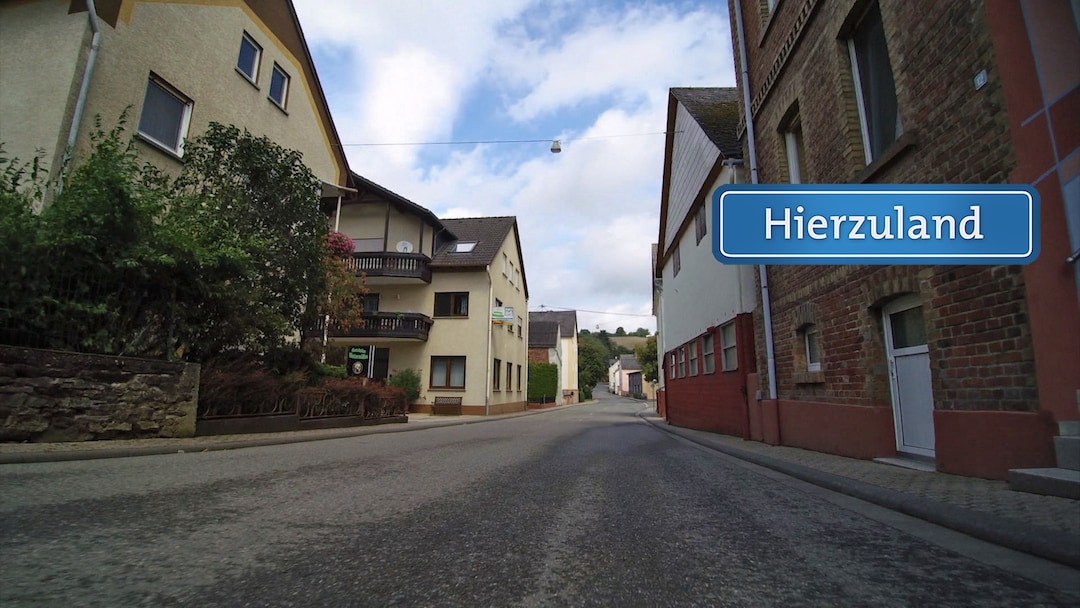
{"type": "Point", "coordinates": [463, 247]}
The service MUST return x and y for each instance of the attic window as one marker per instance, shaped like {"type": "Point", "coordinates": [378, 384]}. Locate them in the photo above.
{"type": "Point", "coordinates": [463, 247]}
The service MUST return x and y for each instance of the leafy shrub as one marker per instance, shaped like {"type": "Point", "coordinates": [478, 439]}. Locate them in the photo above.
{"type": "Point", "coordinates": [408, 380]}
{"type": "Point", "coordinates": [339, 244]}
{"type": "Point", "coordinates": [543, 380]}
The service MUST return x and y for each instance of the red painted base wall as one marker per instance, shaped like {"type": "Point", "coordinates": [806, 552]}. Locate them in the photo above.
{"type": "Point", "coordinates": [708, 403]}
{"type": "Point", "coordinates": [988, 444]}
{"type": "Point", "coordinates": [848, 430]}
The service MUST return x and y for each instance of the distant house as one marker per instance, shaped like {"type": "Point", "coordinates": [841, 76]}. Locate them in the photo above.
{"type": "Point", "coordinates": [704, 309]}
{"type": "Point", "coordinates": [175, 66]}
{"type": "Point", "coordinates": [568, 349]}
{"type": "Point", "coordinates": [444, 297]}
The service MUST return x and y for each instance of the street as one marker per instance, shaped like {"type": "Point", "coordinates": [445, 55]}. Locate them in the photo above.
{"type": "Point", "coordinates": [584, 506]}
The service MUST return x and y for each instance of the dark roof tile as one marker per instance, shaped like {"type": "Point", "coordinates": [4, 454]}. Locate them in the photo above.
{"type": "Point", "coordinates": [716, 109]}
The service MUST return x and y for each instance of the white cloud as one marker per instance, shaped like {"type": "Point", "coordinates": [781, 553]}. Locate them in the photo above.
{"type": "Point", "coordinates": [408, 71]}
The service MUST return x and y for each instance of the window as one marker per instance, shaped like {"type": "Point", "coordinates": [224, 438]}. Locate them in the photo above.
{"type": "Point", "coordinates": [520, 322]}
{"type": "Point", "coordinates": [671, 366]}
{"type": "Point", "coordinates": [682, 361]}
{"type": "Point", "coordinates": [452, 304]}
{"type": "Point", "coordinates": [496, 375]}
{"type": "Point", "coordinates": [676, 260]}
{"type": "Point", "coordinates": [519, 378]}
{"type": "Point", "coordinates": [506, 263]}
{"type": "Point", "coordinates": [729, 357]}
{"type": "Point", "coordinates": [165, 116]}
{"type": "Point", "coordinates": [796, 153]}
{"type": "Point", "coordinates": [875, 89]}
{"type": "Point", "coordinates": [701, 226]}
{"type": "Point", "coordinates": [370, 302]}
{"type": "Point", "coordinates": [248, 61]}
{"type": "Point", "coordinates": [693, 358]}
{"type": "Point", "coordinates": [279, 86]}
{"type": "Point", "coordinates": [707, 363]}
{"type": "Point", "coordinates": [447, 372]}
{"type": "Point", "coordinates": [463, 247]}
{"type": "Point", "coordinates": [811, 340]}
{"type": "Point", "coordinates": [509, 375]}
{"type": "Point", "coordinates": [517, 279]}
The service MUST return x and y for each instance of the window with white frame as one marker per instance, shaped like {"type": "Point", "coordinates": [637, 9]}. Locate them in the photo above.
{"type": "Point", "coordinates": [693, 357]}
{"type": "Point", "coordinates": [729, 356]}
{"type": "Point", "coordinates": [506, 264]}
{"type": "Point", "coordinates": [795, 151]}
{"type": "Point", "coordinates": [676, 260]}
{"type": "Point", "coordinates": [707, 357]}
{"type": "Point", "coordinates": [247, 63]}
{"type": "Point", "coordinates": [519, 378]}
{"type": "Point", "coordinates": [682, 361]}
{"type": "Point", "coordinates": [671, 366]}
{"type": "Point", "coordinates": [875, 89]}
{"type": "Point", "coordinates": [517, 279]}
{"type": "Point", "coordinates": [812, 344]}
{"type": "Point", "coordinates": [496, 375]}
{"type": "Point", "coordinates": [165, 115]}
{"type": "Point", "coordinates": [279, 86]}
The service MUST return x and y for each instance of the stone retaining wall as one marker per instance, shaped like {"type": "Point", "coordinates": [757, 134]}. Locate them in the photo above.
{"type": "Point", "coordinates": [61, 396]}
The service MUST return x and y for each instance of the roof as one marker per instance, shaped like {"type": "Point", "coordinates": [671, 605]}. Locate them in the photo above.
{"type": "Point", "coordinates": [629, 363]}
{"type": "Point", "coordinates": [716, 109]}
{"type": "Point", "coordinates": [488, 233]}
{"type": "Point", "coordinates": [567, 320]}
{"type": "Point", "coordinates": [543, 334]}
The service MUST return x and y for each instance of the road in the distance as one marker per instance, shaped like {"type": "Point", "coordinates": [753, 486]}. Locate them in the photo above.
{"type": "Point", "coordinates": [586, 506]}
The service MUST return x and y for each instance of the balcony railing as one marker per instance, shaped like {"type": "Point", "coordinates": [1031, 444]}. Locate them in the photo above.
{"type": "Point", "coordinates": [394, 325]}
{"type": "Point", "coordinates": [391, 264]}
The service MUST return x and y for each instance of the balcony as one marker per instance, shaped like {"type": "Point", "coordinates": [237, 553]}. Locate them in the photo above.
{"type": "Point", "coordinates": [387, 326]}
{"type": "Point", "coordinates": [388, 267]}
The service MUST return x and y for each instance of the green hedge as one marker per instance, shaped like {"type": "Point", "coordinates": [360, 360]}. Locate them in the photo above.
{"type": "Point", "coordinates": [543, 380]}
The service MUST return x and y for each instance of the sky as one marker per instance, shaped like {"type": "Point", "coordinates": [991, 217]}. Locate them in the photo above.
{"type": "Point", "coordinates": [515, 75]}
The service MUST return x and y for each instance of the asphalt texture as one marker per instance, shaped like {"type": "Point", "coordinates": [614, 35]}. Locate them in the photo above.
{"type": "Point", "coordinates": [584, 506]}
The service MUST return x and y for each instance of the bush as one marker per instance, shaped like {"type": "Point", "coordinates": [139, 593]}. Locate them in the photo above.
{"type": "Point", "coordinates": [408, 380]}
{"type": "Point", "coordinates": [543, 380]}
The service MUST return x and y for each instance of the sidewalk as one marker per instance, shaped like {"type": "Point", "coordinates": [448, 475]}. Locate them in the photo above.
{"type": "Point", "coordinates": [1045, 526]}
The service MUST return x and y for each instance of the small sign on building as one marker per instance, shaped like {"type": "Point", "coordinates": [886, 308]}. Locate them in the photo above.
{"type": "Point", "coordinates": [502, 315]}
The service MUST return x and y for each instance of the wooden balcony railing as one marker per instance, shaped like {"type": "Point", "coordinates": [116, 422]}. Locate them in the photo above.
{"type": "Point", "coordinates": [391, 264]}
{"type": "Point", "coordinates": [395, 325]}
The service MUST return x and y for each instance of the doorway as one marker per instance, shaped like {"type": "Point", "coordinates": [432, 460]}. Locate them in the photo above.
{"type": "Point", "coordinates": [909, 376]}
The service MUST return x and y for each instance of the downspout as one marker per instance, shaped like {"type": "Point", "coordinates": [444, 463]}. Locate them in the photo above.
{"type": "Point", "coordinates": [751, 144]}
{"type": "Point", "coordinates": [487, 385]}
{"type": "Point", "coordinates": [84, 88]}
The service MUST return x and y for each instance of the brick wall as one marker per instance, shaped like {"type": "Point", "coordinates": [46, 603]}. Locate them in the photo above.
{"type": "Point", "coordinates": [975, 316]}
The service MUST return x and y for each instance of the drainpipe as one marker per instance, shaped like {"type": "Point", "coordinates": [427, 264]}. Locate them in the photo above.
{"type": "Point", "coordinates": [487, 385]}
{"type": "Point", "coordinates": [84, 88]}
{"type": "Point", "coordinates": [751, 144]}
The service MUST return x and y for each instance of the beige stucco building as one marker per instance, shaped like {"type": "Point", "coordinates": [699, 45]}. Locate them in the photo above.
{"type": "Point", "coordinates": [447, 298]}
{"type": "Point", "coordinates": [173, 67]}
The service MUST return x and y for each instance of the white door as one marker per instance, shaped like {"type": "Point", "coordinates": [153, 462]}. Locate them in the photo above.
{"type": "Point", "coordinates": [909, 374]}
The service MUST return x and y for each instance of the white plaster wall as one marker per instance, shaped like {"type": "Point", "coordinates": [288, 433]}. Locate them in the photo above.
{"type": "Point", "coordinates": [693, 155]}
{"type": "Point", "coordinates": [705, 293]}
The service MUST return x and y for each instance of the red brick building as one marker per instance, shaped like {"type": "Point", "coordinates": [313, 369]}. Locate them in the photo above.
{"type": "Point", "coordinates": [968, 367]}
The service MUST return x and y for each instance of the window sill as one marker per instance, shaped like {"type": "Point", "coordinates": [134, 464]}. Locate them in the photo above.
{"type": "Point", "coordinates": [159, 146]}
{"type": "Point", "coordinates": [809, 377]}
{"type": "Point", "coordinates": [446, 389]}
{"type": "Point", "coordinates": [277, 105]}
{"type": "Point", "coordinates": [897, 150]}
{"type": "Point", "coordinates": [247, 78]}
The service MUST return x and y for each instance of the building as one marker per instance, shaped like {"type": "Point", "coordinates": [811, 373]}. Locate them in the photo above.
{"type": "Point", "coordinates": [568, 350]}
{"type": "Point", "coordinates": [625, 376]}
{"type": "Point", "coordinates": [444, 297]}
{"type": "Point", "coordinates": [174, 67]}
{"type": "Point", "coordinates": [965, 369]}
{"type": "Point", "coordinates": [704, 310]}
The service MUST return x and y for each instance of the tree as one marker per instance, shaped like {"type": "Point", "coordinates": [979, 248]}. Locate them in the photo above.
{"type": "Point", "coordinates": [641, 332]}
{"type": "Point", "coordinates": [592, 363]}
{"type": "Point", "coordinates": [620, 332]}
{"type": "Point", "coordinates": [647, 357]}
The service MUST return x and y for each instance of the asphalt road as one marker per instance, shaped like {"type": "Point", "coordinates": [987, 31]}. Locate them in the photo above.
{"type": "Point", "coordinates": [587, 506]}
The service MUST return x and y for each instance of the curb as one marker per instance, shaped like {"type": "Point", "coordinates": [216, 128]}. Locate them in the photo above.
{"type": "Point", "coordinates": [210, 446]}
{"type": "Point", "coordinates": [1059, 547]}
